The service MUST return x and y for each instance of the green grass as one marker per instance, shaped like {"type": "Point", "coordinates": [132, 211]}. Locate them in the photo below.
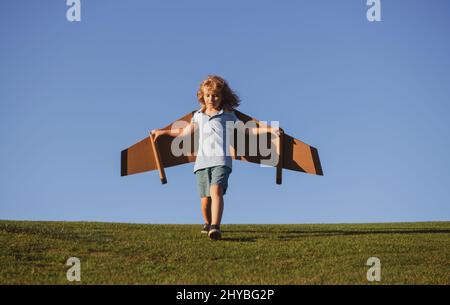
{"type": "Point", "coordinates": [116, 253]}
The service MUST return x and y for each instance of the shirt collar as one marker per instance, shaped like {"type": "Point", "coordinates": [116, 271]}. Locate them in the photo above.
{"type": "Point", "coordinates": [218, 113]}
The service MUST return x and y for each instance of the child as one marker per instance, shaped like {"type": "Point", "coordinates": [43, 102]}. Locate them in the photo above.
{"type": "Point", "coordinates": [213, 164]}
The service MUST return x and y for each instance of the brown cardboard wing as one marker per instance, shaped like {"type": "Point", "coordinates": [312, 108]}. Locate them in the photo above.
{"type": "Point", "coordinates": [293, 154]}
{"type": "Point", "coordinates": [140, 157]}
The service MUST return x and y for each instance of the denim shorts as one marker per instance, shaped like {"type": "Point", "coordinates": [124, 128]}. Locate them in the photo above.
{"type": "Point", "coordinates": [212, 175]}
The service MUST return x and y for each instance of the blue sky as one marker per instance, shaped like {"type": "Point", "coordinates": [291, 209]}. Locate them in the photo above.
{"type": "Point", "coordinates": [373, 97]}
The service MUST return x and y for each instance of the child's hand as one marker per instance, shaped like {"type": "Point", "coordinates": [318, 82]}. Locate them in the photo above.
{"type": "Point", "coordinates": [156, 133]}
{"type": "Point", "coordinates": [276, 130]}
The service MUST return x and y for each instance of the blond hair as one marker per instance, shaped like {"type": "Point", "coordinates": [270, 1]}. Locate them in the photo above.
{"type": "Point", "coordinates": [230, 100]}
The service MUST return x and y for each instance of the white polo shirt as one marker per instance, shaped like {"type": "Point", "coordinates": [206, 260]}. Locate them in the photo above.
{"type": "Point", "coordinates": [214, 138]}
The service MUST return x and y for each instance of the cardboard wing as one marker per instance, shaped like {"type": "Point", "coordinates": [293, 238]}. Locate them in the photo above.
{"type": "Point", "coordinates": [148, 155]}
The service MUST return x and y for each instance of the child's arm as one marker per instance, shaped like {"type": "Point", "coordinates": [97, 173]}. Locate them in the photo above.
{"type": "Point", "coordinates": [189, 129]}
{"type": "Point", "coordinates": [259, 130]}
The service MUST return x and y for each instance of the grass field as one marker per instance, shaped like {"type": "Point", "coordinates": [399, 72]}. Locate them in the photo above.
{"type": "Point", "coordinates": [116, 253]}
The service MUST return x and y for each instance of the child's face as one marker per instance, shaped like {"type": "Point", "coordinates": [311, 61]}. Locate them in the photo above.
{"type": "Point", "coordinates": [212, 97]}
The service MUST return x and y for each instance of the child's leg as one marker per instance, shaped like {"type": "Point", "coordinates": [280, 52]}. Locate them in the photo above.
{"type": "Point", "coordinates": [216, 193]}
{"type": "Point", "coordinates": [206, 209]}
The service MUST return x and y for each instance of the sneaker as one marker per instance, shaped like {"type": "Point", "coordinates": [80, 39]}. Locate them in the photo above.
{"type": "Point", "coordinates": [205, 228]}
{"type": "Point", "coordinates": [215, 233]}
